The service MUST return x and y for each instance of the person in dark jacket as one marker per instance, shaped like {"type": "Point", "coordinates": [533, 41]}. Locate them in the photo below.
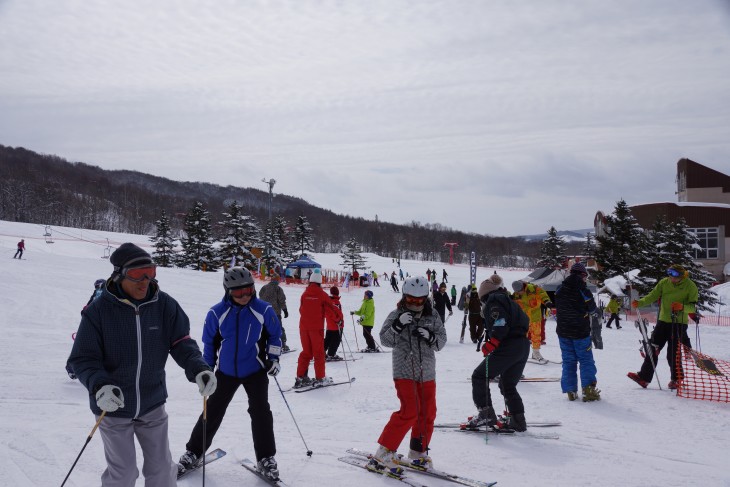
{"type": "Point", "coordinates": [505, 350]}
{"type": "Point", "coordinates": [242, 334]}
{"type": "Point", "coordinates": [21, 249]}
{"type": "Point", "coordinates": [273, 294]}
{"type": "Point", "coordinates": [394, 282]}
{"type": "Point", "coordinates": [119, 355]}
{"type": "Point", "coordinates": [441, 302]}
{"type": "Point", "coordinates": [333, 331]}
{"type": "Point", "coordinates": [574, 304]}
{"type": "Point", "coordinates": [474, 307]}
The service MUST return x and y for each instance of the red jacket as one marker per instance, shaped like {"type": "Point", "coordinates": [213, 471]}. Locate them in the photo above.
{"type": "Point", "coordinates": [333, 322]}
{"type": "Point", "coordinates": [314, 305]}
{"type": "Point", "coordinates": [21, 245]}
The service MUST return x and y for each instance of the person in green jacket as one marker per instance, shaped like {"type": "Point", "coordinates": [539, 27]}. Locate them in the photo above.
{"type": "Point", "coordinates": [612, 308]}
{"type": "Point", "coordinates": [678, 294]}
{"type": "Point", "coordinates": [453, 295]}
{"type": "Point", "coordinates": [367, 320]}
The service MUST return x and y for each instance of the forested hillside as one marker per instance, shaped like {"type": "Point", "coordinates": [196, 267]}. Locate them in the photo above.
{"type": "Point", "coordinates": [47, 189]}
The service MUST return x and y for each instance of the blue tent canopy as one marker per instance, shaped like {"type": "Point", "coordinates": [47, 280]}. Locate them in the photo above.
{"type": "Point", "coordinates": [303, 262]}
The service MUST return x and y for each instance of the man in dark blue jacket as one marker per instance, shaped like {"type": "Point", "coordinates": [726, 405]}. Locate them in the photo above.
{"type": "Point", "coordinates": [119, 355]}
{"type": "Point", "coordinates": [243, 335]}
{"type": "Point", "coordinates": [505, 353]}
{"type": "Point", "coordinates": [574, 304]}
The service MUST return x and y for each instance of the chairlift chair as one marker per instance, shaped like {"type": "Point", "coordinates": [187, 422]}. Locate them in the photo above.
{"type": "Point", "coordinates": [47, 235]}
{"type": "Point", "coordinates": [107, 250]}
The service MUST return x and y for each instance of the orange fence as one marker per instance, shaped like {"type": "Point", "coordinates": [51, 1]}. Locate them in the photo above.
{"type": "Point", "coordinates": [702, 377]}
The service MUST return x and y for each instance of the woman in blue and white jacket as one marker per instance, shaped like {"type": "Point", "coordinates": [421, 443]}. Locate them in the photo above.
{"type": "Point", "coordinates": [242, 334]}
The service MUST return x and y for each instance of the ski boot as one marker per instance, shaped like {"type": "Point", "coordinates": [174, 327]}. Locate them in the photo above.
{"type": "Point", "coordinates": [515, 422]}
{"type": "Point", "coordinates": [324, 381]}
{"type": "Point", "coordinates": [420, 459]}
{"type": "Point", "coordinates": [301, 382]}
{"type": "Point", "coordinates": [333, 358]}
{"type": "Point", "coordinates": [188, 460]}
{"type": "Point", "coordinates": [635, 377]}
{"type": "Point", "coordinates": [672, 386]}
{"type": "Point", "coordinates": [537, 356]}
{"type": "Point", "coordinates": [268, 468]}
{"type": "Point", "coordinates": [590, 393]}
{"type": "Point", "coordinates": [572, 395]}
{"type": "Point", "coordinates": [485, 417]}
{"type": "Point", "coordinates": [384, 459]}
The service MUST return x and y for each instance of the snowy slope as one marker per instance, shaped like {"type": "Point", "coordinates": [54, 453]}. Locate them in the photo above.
{"type": "Point", "coordinates": [632, 437]}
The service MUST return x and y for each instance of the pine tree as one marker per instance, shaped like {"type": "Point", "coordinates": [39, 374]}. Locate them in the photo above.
{"type": "Point", "coordinates": [280, 242]}
{"type": "Point", "coordinates": [589, 247]}
{"type": "Point", "coordinates": [622, 248]}
{"type": "Point", "coordinates": [552, 251]}
{"type": "Point", "coordinates": [198, 243]}
{"type": "Point", "coordinates": [164, 254]}
{"type": "Point", "coordinates": [241, 234]}
{"type": "Point", "coordinates": [673, 243]}
{"type": "Point", "coordinates": [351, 257]}
{"type": "Point", "coordinates": [303, 239]}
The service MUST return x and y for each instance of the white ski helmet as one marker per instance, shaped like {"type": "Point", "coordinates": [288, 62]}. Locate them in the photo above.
{"type": "Point", "coordinates": [416, 286]}
{"type": "Point", "coordinates": [237, 277]}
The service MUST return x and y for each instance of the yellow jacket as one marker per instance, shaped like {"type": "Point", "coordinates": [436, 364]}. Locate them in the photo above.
{"type": "Point", "coordinates": [530, 299]}
{"type": "Point", "coordinates": [612, 305]}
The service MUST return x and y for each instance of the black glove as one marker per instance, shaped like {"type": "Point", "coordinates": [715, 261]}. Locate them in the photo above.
{"type": "Point", "coordinates": [403, 320]}
{"type": "Point", "coordinates": [286, 313]}
{"type": "Point", "coordinates": [424, 334]}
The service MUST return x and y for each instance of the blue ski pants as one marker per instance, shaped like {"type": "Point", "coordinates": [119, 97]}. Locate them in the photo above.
{"type": "Point", "coordinates": [577, 352]}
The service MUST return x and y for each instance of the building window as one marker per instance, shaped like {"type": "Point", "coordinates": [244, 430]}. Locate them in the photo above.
{"type": "Point", "coordinates": [708, 240]}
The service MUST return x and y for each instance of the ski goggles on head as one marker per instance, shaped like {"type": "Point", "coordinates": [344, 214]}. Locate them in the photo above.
{"type": "Point", "coordinates": [241, 292]}
{"type": "Point", "coordinates": [415, 300]}
{"type": "Point", "coordinates": [673, 272]}
{"type": "Point", "coordinates": [139, 274]}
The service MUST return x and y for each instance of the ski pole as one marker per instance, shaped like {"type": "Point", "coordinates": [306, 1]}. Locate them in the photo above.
{"type": "Point", "coordinates": [486, 372]}
{"type": "Point", "coordinates": [344, 356]}
{"type": "Point", "coordinates": [309, 452]}
{"type": "Point", "coordinates": [355, 329]}
{"type": "Point", "coordinates": [648, 347]}
{"type": "Point", "coordinates": [205, 425]}
{"type": "Point", "coordinates": [88, 439]}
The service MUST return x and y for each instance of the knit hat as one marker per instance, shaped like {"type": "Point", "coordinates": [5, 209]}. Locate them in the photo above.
{"type": "Point", "coordinates": [275, 276]}
{"type": "Point", "coordinates": [369, 293]}
{"type": "Point", "coordinates": [334, 291]}
{"type": "Point", "coordinates": [579, 268]}
{"type": "Point", "coordinates": [490, 285]}
{"type": "Point", "coordinates": [127, 256]}
{"type": "Point", "coordinates": [681, 270]}
{"type": "Point", "coordinates": [517, 286]}
{"type": "Point", "coordinates": [316, 276]}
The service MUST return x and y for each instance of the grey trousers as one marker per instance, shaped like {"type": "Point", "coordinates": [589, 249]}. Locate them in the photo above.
{"type": "Point", "coordinates": [121, 459]}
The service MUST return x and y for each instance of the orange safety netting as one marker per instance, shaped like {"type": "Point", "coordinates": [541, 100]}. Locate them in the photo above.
{"type": "Point", "coordinates": [702, 377]}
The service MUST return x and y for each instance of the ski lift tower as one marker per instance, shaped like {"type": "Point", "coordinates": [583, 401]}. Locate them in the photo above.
{"type": "Point", "coordinates": [451, 246]}
{"type": "Point", "coordinates": [271, 183]}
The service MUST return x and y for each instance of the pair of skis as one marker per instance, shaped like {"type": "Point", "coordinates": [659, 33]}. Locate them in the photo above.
{"type": "Point", "coordinates": [217, 454]}
{"type": "Point", "coordinates": [362, 459]}
{"type": "Point", "coordinates": [311, 388]}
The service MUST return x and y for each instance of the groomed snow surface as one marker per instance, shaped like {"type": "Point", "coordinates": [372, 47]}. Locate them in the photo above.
{"type": "Point", "coordinates": [632, 437]}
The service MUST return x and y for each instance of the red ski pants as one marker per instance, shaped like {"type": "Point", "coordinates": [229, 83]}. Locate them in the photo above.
{"type": "Point", "coordinates": [312, 347]}
{"type": "Point", "coordinates": [417, 413]}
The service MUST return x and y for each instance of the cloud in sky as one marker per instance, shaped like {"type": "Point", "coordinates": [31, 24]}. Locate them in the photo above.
{"type": "Point", "coordinates": [489, 117]}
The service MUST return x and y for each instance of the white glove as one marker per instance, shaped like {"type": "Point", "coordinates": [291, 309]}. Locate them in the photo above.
{"type": "Point", "coordinates": [274, 369]}
{"type": "Point", "coordinates": [403, 320]}
{"type": "Point", "coordinates": [109, 398]}
{"type": "Point", "coordinates": [206, 383]}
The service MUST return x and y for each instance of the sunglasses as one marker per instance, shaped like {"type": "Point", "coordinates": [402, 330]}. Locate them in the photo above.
{"type": "Point", "coordinates": [417, 301]}
{"type": "Point", "coordinates": [139, 274]}
{"type": "Point", "coordinates": [673, 272]}
{"type": "Point", "coordinates": [241, 292]}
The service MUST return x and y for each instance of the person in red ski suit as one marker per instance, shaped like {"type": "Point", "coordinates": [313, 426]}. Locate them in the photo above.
{"type": "Point", "coordinates": [21, 248]}
{"type": "Point", "coordinates": [315, 303]}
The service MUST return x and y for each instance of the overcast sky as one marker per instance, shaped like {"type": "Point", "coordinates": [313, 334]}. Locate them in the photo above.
{"type": "Point", "coordinates": [499, 117]}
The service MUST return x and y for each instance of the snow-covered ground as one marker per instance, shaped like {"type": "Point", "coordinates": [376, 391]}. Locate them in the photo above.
{"type": "Point", "coordinates": [632, 437]}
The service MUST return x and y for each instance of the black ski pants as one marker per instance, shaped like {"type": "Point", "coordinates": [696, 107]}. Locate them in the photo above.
{"type": "Point", "coordinates": [262, 421]}
{"type": "Point", "coordinates": [507, 362]}
{"type": "Point", "coordinates": [614, 316]}
{"type": "Point", "coordinates": [332, 339]}
{"type": "Point", "coordinates": [665, 334]}
{"type": "Point", "coordinates": [367, 332]}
